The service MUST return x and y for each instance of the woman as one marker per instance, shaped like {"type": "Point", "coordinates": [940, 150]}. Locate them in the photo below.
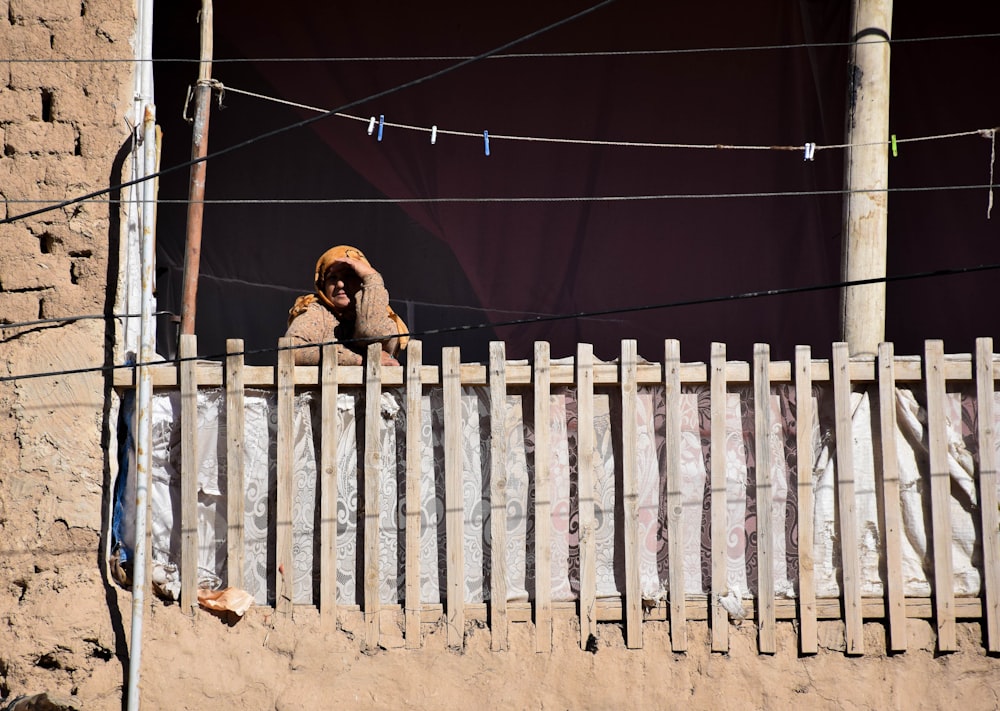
{"type": "Point", "coordinates": [351, 306]}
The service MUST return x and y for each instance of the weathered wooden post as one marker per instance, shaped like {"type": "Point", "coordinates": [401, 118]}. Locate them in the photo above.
{"type": "Point", "coordinates": [866, 176]}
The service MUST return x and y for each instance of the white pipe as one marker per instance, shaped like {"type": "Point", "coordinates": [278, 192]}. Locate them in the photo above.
{"type": "Point", "coordinates": [130, 280]}
{"type": "Point", "coordinates": [143, 164]}
{"type": "Point", "coordinates": [144, 422]}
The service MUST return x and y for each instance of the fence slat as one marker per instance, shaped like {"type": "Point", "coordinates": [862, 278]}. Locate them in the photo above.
{"type": "Point", "coordinates": [543, 500]}
{"type": "Point", "coordinates": [188, 349]}
{"type": "Point", "coordinates": [414, 413]}
{"type": "Point", "coordinates": [765, 493]}
{"type": "Point", "coordinates": [284, 466]}
{"type": "Point", "coordinates": [235, 432]}
{"type": "Point", "coordinates": [675, 502]}
{"type": "Point", "coordinates": [717, 389]}
{"type": "Point", "coordinates": [373, 468]}
{"type": "Point", "coordinates": [330, 435]}
{"type": "Point", "coordinates": [988, 491]}
{"type": "Point", "coordinates": [892, 525]}
{"type": "Point", "coordinates": [630, 494]}
{"type": "Point", "coordinates": [586, 498]}
{"type": "Point", "coordinates": [937, 439]}
{"type": "Point", "coordinates": [498, 497]}
{"type": "Point", "coordinates": [804, 456]}
{"type": "Point", "coordinates": [454, 507]}
{"type": "Point", "coordinates": [850, 562]}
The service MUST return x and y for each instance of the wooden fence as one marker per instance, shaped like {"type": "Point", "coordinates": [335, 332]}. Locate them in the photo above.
{"type": "Point", "coordinates": [934, 370]}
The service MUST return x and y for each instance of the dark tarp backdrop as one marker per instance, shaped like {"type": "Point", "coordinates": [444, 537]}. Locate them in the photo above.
{"type": "Point", "coordinates": [454, 264]}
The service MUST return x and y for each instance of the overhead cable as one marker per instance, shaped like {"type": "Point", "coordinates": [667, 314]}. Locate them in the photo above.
{"type": "Point", "coordinates": [511, 55]}
{"type": "Point", "coordinates": [535, 320]}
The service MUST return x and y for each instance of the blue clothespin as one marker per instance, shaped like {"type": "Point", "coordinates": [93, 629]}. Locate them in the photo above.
{"type": "Point", "coordinates": [486, 141]}
{"type": "Point", "coordinates": [381, 122]}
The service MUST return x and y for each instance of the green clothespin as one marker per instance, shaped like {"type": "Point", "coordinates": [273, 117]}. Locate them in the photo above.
{"type": "Point", "coordinates": [895, 153]}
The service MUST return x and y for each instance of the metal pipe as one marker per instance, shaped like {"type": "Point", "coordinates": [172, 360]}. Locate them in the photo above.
{"type": "Point", "coordinates": [196, 190]}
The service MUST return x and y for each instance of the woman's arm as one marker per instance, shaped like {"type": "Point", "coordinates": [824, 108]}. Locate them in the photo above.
{"type": "Point", "coordinates": [373, 314]}
{"type": "Point", "coordinates": [316, 325]}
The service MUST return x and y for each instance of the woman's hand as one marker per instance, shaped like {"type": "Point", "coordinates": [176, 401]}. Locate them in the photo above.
{"type": "Point", "coordinates": [362, 269]}
{"type": "Point", "coordinates": [388, 359]}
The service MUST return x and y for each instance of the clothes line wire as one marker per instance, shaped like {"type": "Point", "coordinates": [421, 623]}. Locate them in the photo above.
{"type": "Point", "coordinates": [306, 122]}
{"type": "Point", "coordinates": [511, 55]}
{"type": "Point", "coordinates": [478, 135]}
{"type": "Point", "coordinates": [530, 321]}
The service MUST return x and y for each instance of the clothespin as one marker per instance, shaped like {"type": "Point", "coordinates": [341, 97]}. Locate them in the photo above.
{"type": "Point", "coordinates": [434, 134]}
{"type": "Point", "coordinates": [810, 151]}
{"type": "Point", "coordinates": [371, 125]}
{"type": "Point", "coordinates": [894, 152]}
{"type": "Point", "coordinates": [381, 122]}
{"type": "Point", "coordinates": [486, 141]}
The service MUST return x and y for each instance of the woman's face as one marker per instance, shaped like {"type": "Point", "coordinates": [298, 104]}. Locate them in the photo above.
{"type": "Point", "coordinates": [341, 284]}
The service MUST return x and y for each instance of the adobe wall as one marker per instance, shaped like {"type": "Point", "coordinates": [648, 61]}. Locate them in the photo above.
{"type": "Point", "coordinates": [61, 126]}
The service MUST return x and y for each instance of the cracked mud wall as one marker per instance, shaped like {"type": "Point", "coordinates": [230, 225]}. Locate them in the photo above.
{"type": "Point", "coordinates": [62, 124]}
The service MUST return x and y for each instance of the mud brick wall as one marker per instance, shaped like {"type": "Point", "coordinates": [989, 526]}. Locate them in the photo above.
{"type": "Point", "coordinates": [62, 125]}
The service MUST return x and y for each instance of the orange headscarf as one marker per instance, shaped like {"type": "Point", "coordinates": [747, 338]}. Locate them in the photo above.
{"type": "Point", "coordinates": [325, 261]}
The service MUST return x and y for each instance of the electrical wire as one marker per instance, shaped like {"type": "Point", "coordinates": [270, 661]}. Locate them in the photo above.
{"type": "Point", "coordinates": [553, 199]}
{"type": "Point", "coordinates": [511, 55]}
{"type": "Point", "coordinates": [534, 320]}
{"type": "Point", "coordinates": [70, 319]}
{"type": "Point", "coordinates": [313, 119]}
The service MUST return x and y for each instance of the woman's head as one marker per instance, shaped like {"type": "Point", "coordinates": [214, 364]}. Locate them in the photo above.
{"type": "Point", "coordinates": [337, 277]}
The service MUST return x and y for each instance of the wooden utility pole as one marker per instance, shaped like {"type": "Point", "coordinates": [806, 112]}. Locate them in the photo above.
{"type": "Point", "coordinates": [196, 190]}
{"type": "Point", "coordinates": [866, 176]}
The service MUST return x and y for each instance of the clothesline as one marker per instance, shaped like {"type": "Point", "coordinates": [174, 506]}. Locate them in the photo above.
{"type": "Point", "coordinates": [434, 130]}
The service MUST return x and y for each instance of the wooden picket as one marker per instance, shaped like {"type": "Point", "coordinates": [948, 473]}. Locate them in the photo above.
{"type": "Point", "coordinates": [717, 479]}
{"type": "Point", "coordinates": [987, 480]}
{"type": "Point", "coordinates": [329, 436]}
{"type": "Point", "coordinates": [372, 469]}
{"type": "Point", "coordinates": [940, 487]}
{"type": "Point", "coordinates": [765, 493]}
{"type": "Point", "coordinates": [543, 500]}
{"type": "Point", "coordinates": [414, 423]}
{"type": "Point", "coordinates": [804, 455]}
{"type": "Point", "coordinates": [454, 506]}
{"type": "Point", "coordinates": [235, 463]}
{"type": "Point", "coordinates": [675, 508]}
{"type": "Point", "coordinates": [848, 528]}
{"type": "Point", "coordinates": [285, 491]}
{"type": "Point", "coordinates": [892, 524]}
{"type": "Point", "coordinates": [586, 461]}
{"type": "Point", "coordinates": [188, 376]}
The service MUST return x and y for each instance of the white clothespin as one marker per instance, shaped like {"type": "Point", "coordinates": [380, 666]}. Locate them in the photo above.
{"type": "Point", "coordinates": [434, 134]}
{"type": "Point", "coordinates": [371, 125]}
{"type": "Point", "coordinates": [810, 151]}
